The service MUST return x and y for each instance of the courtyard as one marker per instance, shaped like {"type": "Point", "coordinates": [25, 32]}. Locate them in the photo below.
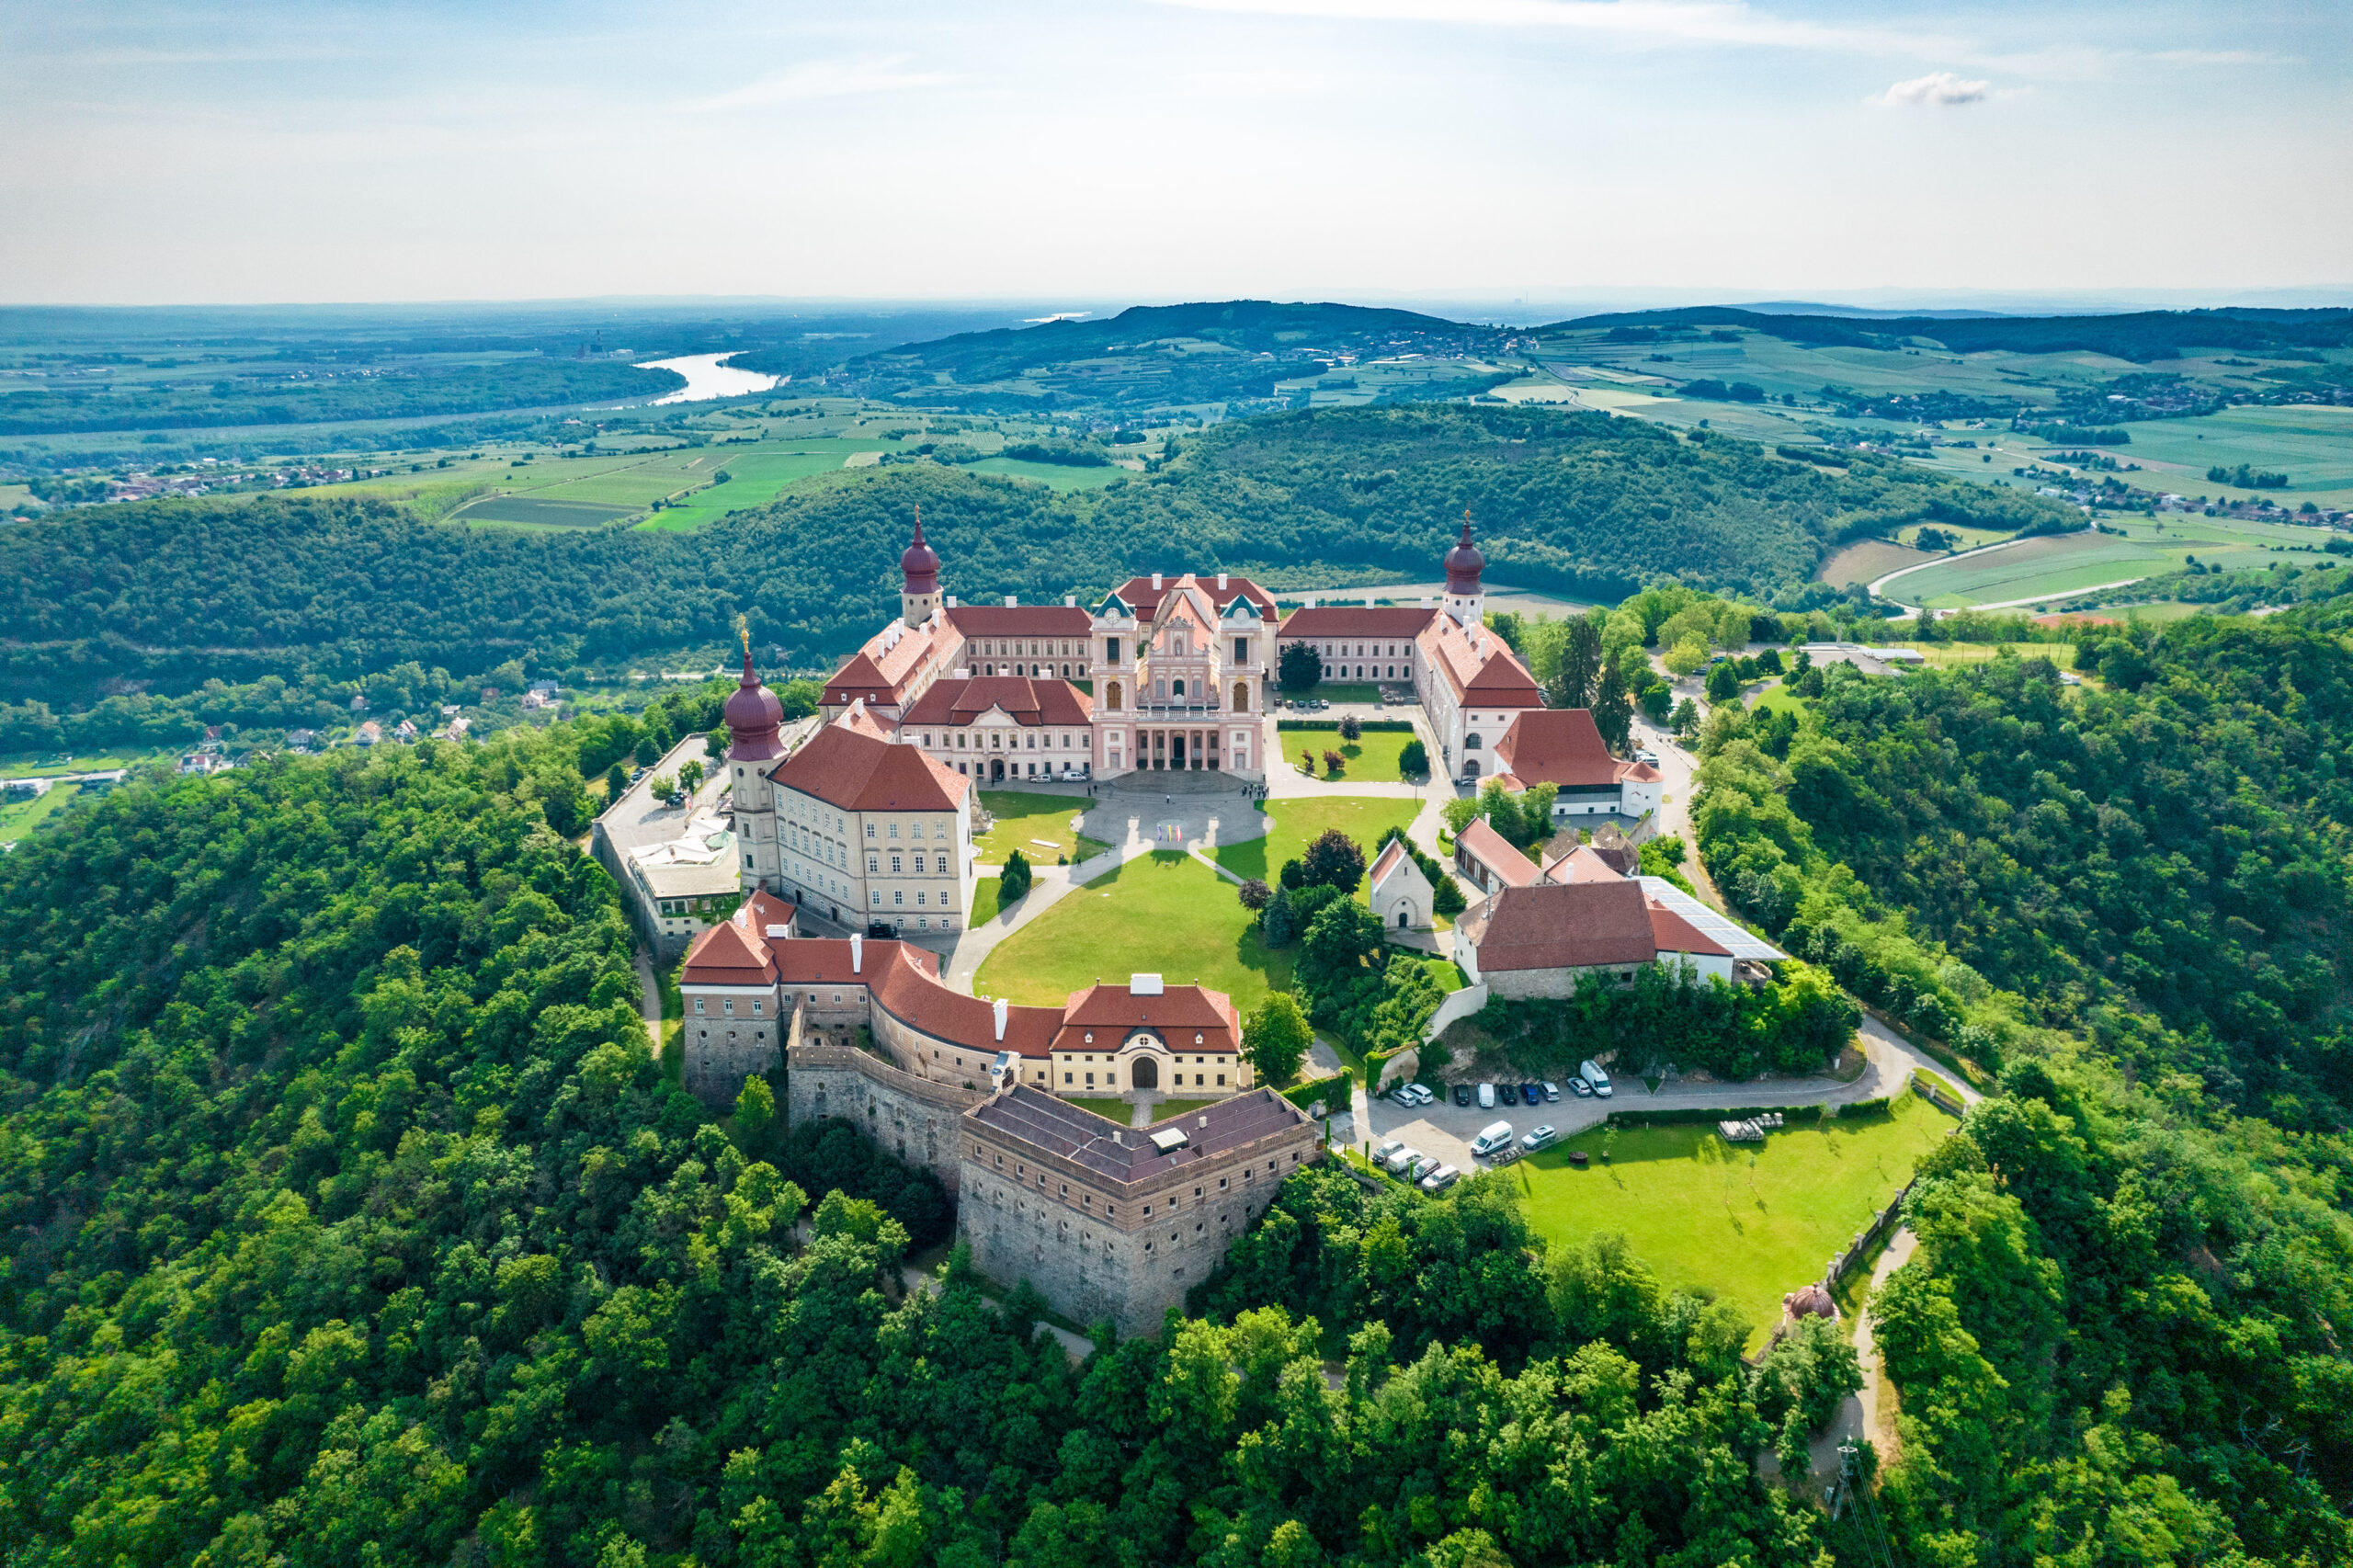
{"type": "Point", "coordinates": [1293, 824]}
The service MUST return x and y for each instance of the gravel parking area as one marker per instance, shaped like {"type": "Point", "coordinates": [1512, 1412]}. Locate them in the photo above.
{"type": "Point", "coordinates": [1445, 1130]}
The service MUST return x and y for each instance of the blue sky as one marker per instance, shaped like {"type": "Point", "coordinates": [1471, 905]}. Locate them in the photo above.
{"type": "Point", "coordinates": [1165, 149]}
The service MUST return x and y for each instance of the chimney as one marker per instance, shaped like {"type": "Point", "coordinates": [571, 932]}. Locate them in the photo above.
{"type": "Point", "coordinates": [1010, 601]}
{"type": "Point", "coordinates": [997, 1007]}
{"type": "Point", "coordinates": [857, 953]}
{"type": "Point", "coordinates": [1220, 582]}
{"type": "Point", "coordinates": [1070, 601]}
{"type": "Point", "coordinates": [951, 601]}
{"type": "Point", "coordinates": [1156, 582]}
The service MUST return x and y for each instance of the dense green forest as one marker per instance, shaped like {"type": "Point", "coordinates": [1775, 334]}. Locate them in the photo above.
{"type": "Point", "coordinates": [2161, 861]}
{"type": "Point", "coordinates": [1573, 503]}
{"type": "Point", "coordinates": [347, 1220]}
{"type": "Point", "coordinates": [301, 394]}
{"type": "Point", "coordinates": [2138, 335]}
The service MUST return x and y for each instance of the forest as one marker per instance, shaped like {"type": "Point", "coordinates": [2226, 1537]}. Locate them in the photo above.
{"type": "Point", "coordinates": [2139, 337]}
{"type": "Point", "coordinates": [296, 585]}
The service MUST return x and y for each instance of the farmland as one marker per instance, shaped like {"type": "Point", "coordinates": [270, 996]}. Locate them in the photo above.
{"type": "Point", "coordinates": [2052, 567]}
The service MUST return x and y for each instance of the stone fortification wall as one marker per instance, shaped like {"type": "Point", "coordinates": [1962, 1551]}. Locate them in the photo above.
{"type": "Point", "coordinates": [913, 1117]}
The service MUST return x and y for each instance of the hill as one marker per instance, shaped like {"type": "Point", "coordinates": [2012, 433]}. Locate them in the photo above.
{"type": "Point", "coordinates": [92, 600]}
{"type": "Point", "coordinates": [2140, 335]}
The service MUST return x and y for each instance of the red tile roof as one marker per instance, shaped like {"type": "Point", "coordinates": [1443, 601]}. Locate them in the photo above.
{"type": "Point", "coordinates": [1675, 935]}
{"type": "Point", "coordinates": [1492, 850]}
{"type": "Point", "coordinates": [1139, 594]}
{"type": "Point", "coordinates": [882, 670]}
{"type": "Point", "coordinates": [1556, 926]}
{"type": "Point", "coordinates": [1582, 865]}
{"type": "Point", "coordinates": [1021, 620]}
{"type": "Point", "coordinates": [1401, 622]}
{"type": "Point", "coordinates": [853, 771]}
{"type": "Point", "coordinates": [1176, 1015]}
{"type": "Point", "coordinates": [733, 952]}
{"type": "Point", "coordinates": [1562, 746]}
{"type": "Point", "coordinates": [1488, 673]}
{"type": "Point", "coordinates": [1391, 853]}
{"type": "Point", "coordinates": [1028, 702]}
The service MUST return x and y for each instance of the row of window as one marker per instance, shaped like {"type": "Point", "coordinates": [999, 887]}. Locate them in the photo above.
{"type": "Point", "coordinates": [1058, 740]}
{"type": "Point", "coordinates": [874, 864]}
{"type": "Point", "coordinates": [1035, 648]}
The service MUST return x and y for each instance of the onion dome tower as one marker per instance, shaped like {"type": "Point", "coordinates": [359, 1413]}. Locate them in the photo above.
{"type": "Point", "coordinates": [920, 568]}
{"type": "Point", "coordinates": [1465, 599]}
{"type": "Point", "coordinates": [753, 716]}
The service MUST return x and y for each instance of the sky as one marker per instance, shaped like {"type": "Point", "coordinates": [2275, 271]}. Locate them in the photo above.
{"type": "Point", "coordinates": [1157, 150]}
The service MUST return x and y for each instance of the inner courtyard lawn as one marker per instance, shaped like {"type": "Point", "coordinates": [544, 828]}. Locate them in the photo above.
{"type": "Point", "coordinates": [1293, 824]}
{"type": "Point", "coordinates": [1750, 1221]}
{"type": "Point", "coordinates": [1022, 817]}
{"type": "Point", "coordinates": [1163, 914]}
{"type": "Point", "coordinates": [1372, 759]}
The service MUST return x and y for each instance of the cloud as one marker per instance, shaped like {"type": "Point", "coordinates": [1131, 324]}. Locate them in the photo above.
{"type": "Point", "coordinates": [1703, 22]}
{"type": "Point", "coordinates": [1937, 89]}
{"type": "Point", "coordinates": [827, 79]}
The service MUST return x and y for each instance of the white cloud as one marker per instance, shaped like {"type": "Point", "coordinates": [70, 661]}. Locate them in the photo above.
{"type": "Point", "coordinates": [1938, 89]}
{"type": "Point", "coordinates": [827, 79]}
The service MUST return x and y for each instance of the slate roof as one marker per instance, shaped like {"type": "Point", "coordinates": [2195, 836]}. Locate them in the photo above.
{"type": "Point", "coordinates": [1127, 1154]}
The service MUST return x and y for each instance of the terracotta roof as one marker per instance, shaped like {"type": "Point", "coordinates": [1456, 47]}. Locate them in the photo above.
{"type": "Point", "coordinates": [1494, 677]}
{"type": "Point", "coordinates": [1139, 594]}
{"type": "Point", "coordinates": [1557, 746]}
{"type": "Point", "coordinates": [1393, 853]}
{"type": "Point", "coordinates": [854, 771]}
{"type": "Point", "coordinates": [1582, 865]}
{"type": "Point", "coordinates": [1492, 850]}
{"type": "Point", "coordinates": [1021, 620]}
{"type": "Point", "coordinates": [882, 671]}
{"type": "Point", "coordinates": [1028, 702]}
{"type": "Point", "coordinates": [1176, 1015]}
{"type": "Point", "coordinates": [1125, 1155]}
{"type": "Point", "coordinates": [730, 953]}
{"type": "Point", "coordinates": [905, 982]}
{"type": "Point", "coordinates": [1675, 935]}
{"type": "Point", "coordinates": [1404, 622]}
{"type": "Point", "coordinates": [1571, 925]}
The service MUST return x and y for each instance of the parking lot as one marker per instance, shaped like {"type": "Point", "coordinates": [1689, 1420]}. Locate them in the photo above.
{"type": "Point", "coordinates": [1444, 1129]}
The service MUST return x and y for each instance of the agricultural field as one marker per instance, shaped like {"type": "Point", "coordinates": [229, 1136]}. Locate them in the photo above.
{"type": "Point", "coordinates": [2311, 445]}
{"type": "Point", "coordinates": [1056, 476]}
{"type": "Point", "coordinates": [1164, 913]}
{"type": "Point", "coordinates": [18, 818]}
{"type": "Point", "coordinates": [1866, 561]}
{"type": "Point", "coordinates": [1748, 1221]}
{"type": "Point", "coordinates": [2035, 571]}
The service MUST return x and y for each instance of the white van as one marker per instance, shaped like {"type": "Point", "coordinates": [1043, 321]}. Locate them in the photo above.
{"type": "Point", "coordinates": [1487, 1097]}
{"type": "Point", "coordinates": [1496, 1136]}
{"type": "Point", "coordinates": [1592, 1074]}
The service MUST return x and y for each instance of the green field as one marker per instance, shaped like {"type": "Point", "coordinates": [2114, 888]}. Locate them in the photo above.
{"type": "Point", "coordinates": [532, 511]}
{"type": "Point", "coordinates": [1293, 824]}
{"type": "Point", "coordinates": [2055, 566]}
{"type": "Point", "coordinates": [18, 818]}
{"type": "Point", "coordinates": [1749, 1221]}
{"type": "Point", "coordinates": [2312, 444]}
{"type": "Point", "coordinates": [1059, 476]}
{"type": "Point", "coordinates": [1777, 696]}
{"type": "Point", "coordinates": [1164, 913]}
{"type": "Point", "coordinates": [1372, 759]}
{"type": "Point", "coordinates": [1022, 818]}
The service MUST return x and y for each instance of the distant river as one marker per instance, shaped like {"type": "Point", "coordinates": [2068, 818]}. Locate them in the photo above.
{"type": "Point", "coordinates": [707, 378]}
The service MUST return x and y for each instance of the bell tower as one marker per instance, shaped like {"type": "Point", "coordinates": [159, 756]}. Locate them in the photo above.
{"type": "Point", "coordinates": [919, 595]}
{"type": "Point", "coordinates": [1466, 601]}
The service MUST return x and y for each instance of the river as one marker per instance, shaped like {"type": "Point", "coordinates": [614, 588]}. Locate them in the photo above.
{"type": "Point", "coordinates": [707, 378]}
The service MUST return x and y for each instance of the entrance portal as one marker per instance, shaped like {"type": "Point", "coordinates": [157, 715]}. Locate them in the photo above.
{"type": "Point", "coordinates": [996, 769]}
{"type": "Point", "coordinates": [1145, 1073]}
{"type": "Point", "coordinates": [1176, 751]}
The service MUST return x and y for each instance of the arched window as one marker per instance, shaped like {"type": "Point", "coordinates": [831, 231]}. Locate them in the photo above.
{"type": "Point", "coordinates": [1242, 697]}
{"type": "Point", "coordinates": [1180, 689]}
{"type": "Point", "coordinates": [1470, 742]}
{"type": "Point", "coordinates": [1111, 697]}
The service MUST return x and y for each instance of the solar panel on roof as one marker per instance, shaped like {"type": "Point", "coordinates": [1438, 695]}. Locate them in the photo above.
{"type": "Point", "coordinates": [1727, 934]}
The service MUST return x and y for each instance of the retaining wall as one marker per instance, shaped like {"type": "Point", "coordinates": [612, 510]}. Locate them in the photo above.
{"type": "Point", "coordinates": [913, 1117]}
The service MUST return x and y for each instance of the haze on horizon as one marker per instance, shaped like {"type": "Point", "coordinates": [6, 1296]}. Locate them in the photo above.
{"type": "Point", "coordinates": [1165, 149]}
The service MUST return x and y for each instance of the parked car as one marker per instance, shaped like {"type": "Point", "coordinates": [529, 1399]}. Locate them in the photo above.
{"type": "Point", "coordinates": [1440, 1179]}
{"type": "Point", "coordinates": [1421, 1167]}
{"type": "Point", "coordinates": [1582, 1089]}
{"type": "Point", "coordinates": [1403, 1092]}
{"type": "Point", "coordinates": [1505, 1095]}
{"type": "Point", "coordinates": [1648, 756]}
{"type": "Point", "coordinates": [1596, 1077]}
{"type": "Point", "coordinates": [1425, 1094]}
{"type": "Point", "coordinates": [1487, 1097]}
{"type": "Point", "coordinates": [1538, 1139]}
{"type": "Point", "coordinates": [1462, 1094]}
{"type": "Point", "coordinates": [1532, 1094]}
{"type": "Point", "coordinates": [1404, 1156]}
{"type": "Point", "coordinates": [1551, 1092]}
{"type": "Point", "coordinates": [1496, 1136]}
{"type": "Point", "coordinates": [1386, 1147]}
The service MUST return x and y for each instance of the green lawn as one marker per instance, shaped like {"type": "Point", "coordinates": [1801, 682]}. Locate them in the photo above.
{"type": "Point", "coordinates": [1776, 695]}
{"type": "Point", "coordinates": [1750, 1221]}
{"type": "Point", "coordinates": [1163, 1109]}
{"type": "Point", "coordinates": [1023, 817]}
{"type": "Point", "coordinates": [1164, 913]}
{"type": "Point", "coordinates": [1372, 759]}
{"type": "Point", "coordinates": [1292, 825]}
{"type": "Point", "coordinates": [1343, 690]}
{"type": "Point", "coordinates": [1110, 1111]}
{"type": "Point", "coordinates": [984, 904]}
{"type": "Point", "coordinates": [18, 818]}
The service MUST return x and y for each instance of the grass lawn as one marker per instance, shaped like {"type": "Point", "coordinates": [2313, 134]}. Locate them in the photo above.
{"type": "Point", "coordinates": [984, 905]}
{"type": "Point", "coordinates": [1023, 818]}
{"type": "Point", "coordinates": [1342, 691]}
{"type": "Point", "coordinates": [1699, 1213]}
{"type": "Point", "coordinates": [1372, 759]}
{"type": "Point", "coordinates": [1164, 913]}
{"type": "Point", "coordinates": [1110, 1109]}
{"type": "Point", "coordinates": [1776, 695]}
{"type": "Point", "coordinates": [1292, 825]}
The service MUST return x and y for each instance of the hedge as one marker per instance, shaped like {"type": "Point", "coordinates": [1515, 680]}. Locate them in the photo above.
{"type": "Point", "coordinates": [1330, 1091]}
{"type": "Point", "coordinates": [1391, 724]}
{"type": "Point", "coordinates": [1710, 1116]}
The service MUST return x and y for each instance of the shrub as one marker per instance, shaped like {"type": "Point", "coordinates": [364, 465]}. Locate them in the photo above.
{"type": "Point", "coordinates": [1255, 895]}
{"type": "Point", "coordinates": [1333, 763]}
{"type": "Point", "coordinates": [1351, 728]}
{"type": "Point", "coordinates": [1333, 860]}
{"type": "Point", "coordinates": [1413, 759]}
{"type": "Point", "coordinates": [1016, 879]}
